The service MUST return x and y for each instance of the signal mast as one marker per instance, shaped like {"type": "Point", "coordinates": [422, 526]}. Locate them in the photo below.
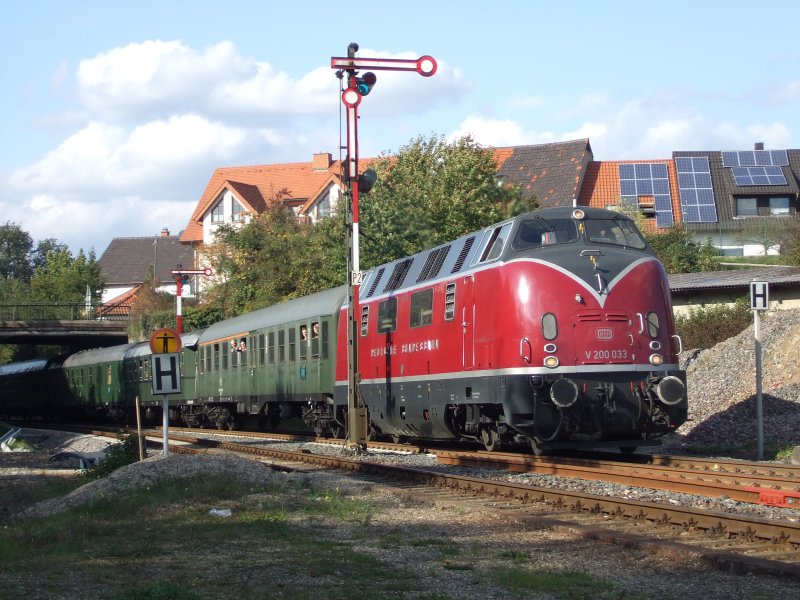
{"type": "Point", "coordinates": [359, 86]}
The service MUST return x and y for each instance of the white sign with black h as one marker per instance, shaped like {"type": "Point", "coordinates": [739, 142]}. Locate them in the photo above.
{"type": "Point", "coordinates": [166, 373]}
{"type": "Point", "coordinates": [759, 295]}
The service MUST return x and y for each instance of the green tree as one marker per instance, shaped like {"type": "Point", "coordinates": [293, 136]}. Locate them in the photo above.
{"type": "Point", "coordinates": [150, 309]}
{"type": "Point", "coordinates": [62, 278]}
{"type": "Point", "coordinates": [431, 192]}
{"type": "Point", "coordinates": [766, 232]}
{"type": "Point", "coordinates": [679, 253]}
{"type": "Point", "coordinates": [15, 252]}
{"type": "Point", "coordinates": [258, 262]}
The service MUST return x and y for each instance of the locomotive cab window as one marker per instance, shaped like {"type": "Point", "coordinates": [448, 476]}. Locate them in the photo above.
{"type": "Point", "coordinates": [387, 315]}
{"type": "Point", "coordinates": [533, 233]}
{"type": "Point", "coordinates": [422, 308]}
{"type": "Point", "coordinates": [619, 232]}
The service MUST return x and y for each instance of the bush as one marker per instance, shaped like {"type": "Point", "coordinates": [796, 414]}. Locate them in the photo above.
{"type": "Point", "coordinates": [119, 455]}
{"type": "Point", "coordinates": [709, 325]}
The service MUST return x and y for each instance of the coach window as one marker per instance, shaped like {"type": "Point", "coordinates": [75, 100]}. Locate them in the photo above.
{"type": "Point", "coordinates": [261, 349]}
{"type": "Point", "coordinates": [271, 347]}
{"type": "Point", "coordinates": [324, 340]}
{"type": "Point", "coordinates": [224, 357]}
{"type": "Point", "coordinates": [387, 315]}
{"type": "Point", "coordinates": [315, 339]}
{"type": "Point", "coordinates": [549, 326]}
{"type": "Point", "coordinates": [208, 359]}
{"type": "Point", "coordinates": [450, 302]}
{"type": "Point", "coordinates": [243, 351]}
{"type": "Point", "coordinates": [303, 338]}
{"type": "Point", "coordinates": [422, 308]}
{"type": "Point", "coordinates": [292, 344]}
{"type": "Point", "coordinates": [216, 357]}
{"type": "Point", "coordinates": [281, 347]}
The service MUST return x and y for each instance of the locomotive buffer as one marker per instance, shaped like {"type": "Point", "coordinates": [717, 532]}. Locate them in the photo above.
{"type": "Point", "coordinates": [165, 344]}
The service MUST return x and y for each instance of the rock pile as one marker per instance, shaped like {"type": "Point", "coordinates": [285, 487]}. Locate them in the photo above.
{"type": "Point", "coordinates": [722, 387]}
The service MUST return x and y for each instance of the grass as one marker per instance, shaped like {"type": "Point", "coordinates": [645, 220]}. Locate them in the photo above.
{"type": "Point", "coordinates": [281, 541]}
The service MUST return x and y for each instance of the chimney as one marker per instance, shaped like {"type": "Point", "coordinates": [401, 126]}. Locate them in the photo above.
{"type": "Point", "coordinates": [759, 145]}
{"type": "Point", "coordinates": [322, 160]}
{"type": "Point", "coordinates": [165, 232]}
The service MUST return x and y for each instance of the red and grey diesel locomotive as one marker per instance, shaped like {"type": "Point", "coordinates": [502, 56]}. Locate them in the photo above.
{"type": "Point", "coordinates": [553, 329]}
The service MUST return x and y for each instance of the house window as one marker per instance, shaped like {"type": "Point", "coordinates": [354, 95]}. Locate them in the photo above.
{"type": "Point", "coordinates": [762, 206]}
{"type": "Point", "coordinates": [218, 212]}
{"type": "Point", "coordinates": [324, 207]}
{"type": "Point", "coordinates": [238, 212]}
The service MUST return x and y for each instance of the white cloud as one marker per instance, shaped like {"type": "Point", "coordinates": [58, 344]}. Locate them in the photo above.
{"type": "Point", "coordinates": [500, 132]}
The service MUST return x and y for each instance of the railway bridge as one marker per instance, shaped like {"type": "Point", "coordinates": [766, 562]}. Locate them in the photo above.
{"type": "Point", "coordinates": [78, 326]}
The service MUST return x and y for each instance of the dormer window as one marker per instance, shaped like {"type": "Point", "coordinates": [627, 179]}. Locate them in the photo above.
{"type": "Point", "coordinates": [238, 212]}
{"type": "Point", "coordinates": [218, 212]}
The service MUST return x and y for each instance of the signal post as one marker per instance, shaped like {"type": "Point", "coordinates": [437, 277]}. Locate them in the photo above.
{"type": "Point", "coordinates": [182, 277]}
{"type": "Point", "coordinates": [359, 86]}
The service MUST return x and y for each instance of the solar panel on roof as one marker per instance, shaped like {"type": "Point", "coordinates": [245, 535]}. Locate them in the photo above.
{"type": "Point", "coordinates": [696, 192]}
{"type": "Point", "coordinates": [647, 179]}
{"type": "Point", "coordinates": [755, 158]}
{"type": "Point", "coordinates": [664, 219]}
{"type": "Point", "coordinates": [771, 175]}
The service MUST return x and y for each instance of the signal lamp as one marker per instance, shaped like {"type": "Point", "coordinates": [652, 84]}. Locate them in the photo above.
{"type": "Point", "coordinates": [656, 359]}
{"type": "Point", "coordinates": [366, 180]}
{"type": "Point", "coordinates": [551, 362]}
{"type": "Point", "coordinates": [365, 83]}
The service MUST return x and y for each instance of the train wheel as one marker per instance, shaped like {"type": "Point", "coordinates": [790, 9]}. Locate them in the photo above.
{"type": "Point", "coordinates": [490, 439]}
{"type": "Point", "coordinates": [536, 447]}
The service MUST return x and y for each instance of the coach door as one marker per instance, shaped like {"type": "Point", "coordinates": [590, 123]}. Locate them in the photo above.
{"type": "Point", "coordinates": [468, 323]}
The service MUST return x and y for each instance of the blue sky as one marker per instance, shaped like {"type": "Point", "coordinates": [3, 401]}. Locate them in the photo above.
{"type": "Point", "coordinates": [115, 114]}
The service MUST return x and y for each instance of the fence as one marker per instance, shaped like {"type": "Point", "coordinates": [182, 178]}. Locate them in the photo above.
{"type": "Point", "coordinates": [63, 311]}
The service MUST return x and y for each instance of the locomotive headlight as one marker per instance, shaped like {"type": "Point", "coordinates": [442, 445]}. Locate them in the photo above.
{"type": "Point", "coordinates": [551, 362]}
{"type": "Point", "coordinates": [656, 359]}
{"type": "Point", "coordinates": [578, 214]}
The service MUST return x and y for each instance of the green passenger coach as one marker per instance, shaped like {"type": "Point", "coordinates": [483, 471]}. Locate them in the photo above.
{"type": "Point", "coordinates": [255, 363]}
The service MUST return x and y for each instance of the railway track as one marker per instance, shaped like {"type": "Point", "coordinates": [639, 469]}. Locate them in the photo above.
{"type": "Point", "coordinates": [731, 542]}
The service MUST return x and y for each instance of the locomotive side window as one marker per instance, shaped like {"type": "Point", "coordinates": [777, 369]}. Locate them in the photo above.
{"type": "Point", "coordinates": [549, 326]}
{"type": "Point", "coordinates": [652, 325]}
{"type": "Point", "coordinates": [387, 315]}
{"type": "Point", "coordinates": [422, 308]}
{"type": "Point", "coordinates": [450, 302]}
{"type": "Point", "coordinates": [364, 320]}
{"type": "Point", "coordinates": [494, 246]}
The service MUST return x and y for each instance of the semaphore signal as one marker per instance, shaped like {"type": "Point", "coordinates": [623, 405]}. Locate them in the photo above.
{"type": "Point", "coordinates": [359, 86]}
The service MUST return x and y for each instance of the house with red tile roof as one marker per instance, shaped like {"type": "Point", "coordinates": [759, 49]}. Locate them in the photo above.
{"type": "Point", "coordinates": [551, 174]}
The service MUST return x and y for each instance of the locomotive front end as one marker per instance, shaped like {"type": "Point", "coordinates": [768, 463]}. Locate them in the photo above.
{"type": "Point", "coordinates": [594, 319]}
